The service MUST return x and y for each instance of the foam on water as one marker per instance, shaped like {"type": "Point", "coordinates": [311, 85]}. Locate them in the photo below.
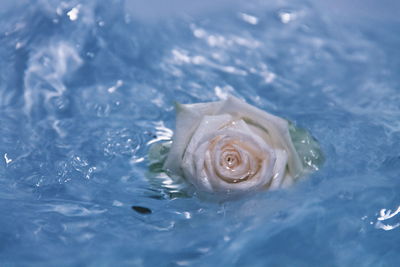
{"type": "Point", "coordinates": [86, 87]}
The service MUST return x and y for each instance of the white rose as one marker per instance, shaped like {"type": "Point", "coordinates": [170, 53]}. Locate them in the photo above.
{"type": "Point", "coordinates": [232, 146]}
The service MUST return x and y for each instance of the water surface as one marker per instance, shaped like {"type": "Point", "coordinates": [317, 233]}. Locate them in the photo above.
{"type": "Point", "coordinates": [85, 86]}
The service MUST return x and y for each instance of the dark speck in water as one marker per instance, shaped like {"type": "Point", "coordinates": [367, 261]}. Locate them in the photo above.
{"type": "Point", "coordinates": [142, 210]}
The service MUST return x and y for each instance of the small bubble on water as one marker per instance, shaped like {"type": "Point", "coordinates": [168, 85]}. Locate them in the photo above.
{"type": "Point", "coordinates": [286, 16]}
{"type": "Point", "coordinates": [39, 183]}
{"type": "Point", "coordinates": [74, 13]}
{"type": "Point", "coordinates": [18, 45]}
{"type": "Point", "coordinates": [187, 215]}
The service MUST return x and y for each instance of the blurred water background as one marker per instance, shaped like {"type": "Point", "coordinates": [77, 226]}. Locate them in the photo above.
{"type": "Point", "coordinates": [86, 86]}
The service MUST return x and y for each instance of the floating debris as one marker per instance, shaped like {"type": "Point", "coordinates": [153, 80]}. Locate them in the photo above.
{"type": "Point", "coordinates": [141, 210]}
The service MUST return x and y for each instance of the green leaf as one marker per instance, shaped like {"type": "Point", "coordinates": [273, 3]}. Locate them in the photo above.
{"type": "Point", "coordinates": [307, 148]}
{"type": "Point", "coordinates": [169, 185]}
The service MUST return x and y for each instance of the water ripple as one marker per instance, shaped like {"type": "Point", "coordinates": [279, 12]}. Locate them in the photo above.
{"type": "Point", "coordinates": [73, 210]}
{"type": "Point", "coordinates": [87, 88]}
{"type": "Point", "coordinates": [386, 219]}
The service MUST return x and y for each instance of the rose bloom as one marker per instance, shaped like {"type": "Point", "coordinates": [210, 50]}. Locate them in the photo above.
{"type": "Point", "coordinates": [231, 146]}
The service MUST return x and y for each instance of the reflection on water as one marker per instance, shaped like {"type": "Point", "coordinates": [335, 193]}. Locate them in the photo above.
{"type": "Point", "coordinates": [87, 87]}
{"type": "Point", "coordinates": [383, 221]}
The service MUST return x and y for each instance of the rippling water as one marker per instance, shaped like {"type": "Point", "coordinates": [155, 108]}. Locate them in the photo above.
{"type": "Point", "coordinates": [86, 86]}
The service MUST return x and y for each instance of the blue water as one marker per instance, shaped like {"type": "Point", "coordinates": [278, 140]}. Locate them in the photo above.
{"type": "Point", "coordinates": [85, 86]}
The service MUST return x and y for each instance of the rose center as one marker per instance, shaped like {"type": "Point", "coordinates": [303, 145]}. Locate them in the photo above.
{"type": "Point", "coordinates": [234, 160]}
{"type": "Point", "coordinates": [230, 158]}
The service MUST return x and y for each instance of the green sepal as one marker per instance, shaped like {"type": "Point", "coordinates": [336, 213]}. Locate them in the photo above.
{"type": "Point", "coordinates": [169, 185]}
{"type": "Point", "coordinates": [307, 147]}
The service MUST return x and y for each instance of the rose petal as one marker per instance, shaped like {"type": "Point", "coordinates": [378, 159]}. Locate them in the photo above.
{"type": "Point", "coordinates": [276, 127]}
{"type": "Point", "coordinates": [263, 176]}
{"type": "Point", "coordinates": [208, 125]}
{"type": "Point", "coordinates": [263, 146]}
{"type": "Point", "coordinates": [280, 173]}
{"type": "Point", "coordinates": [197, 155]}
{"type": "Point", "coordinates": [188, 118]}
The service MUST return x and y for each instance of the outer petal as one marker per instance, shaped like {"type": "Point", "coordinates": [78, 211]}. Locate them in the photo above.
{"type": "Point", "coordinates": [280, 173]}
{"type": "Point", "coordinates": [188, 118]}
{"type": "Point", "coordinates": [276, 127]}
